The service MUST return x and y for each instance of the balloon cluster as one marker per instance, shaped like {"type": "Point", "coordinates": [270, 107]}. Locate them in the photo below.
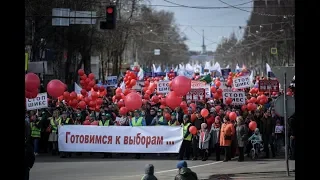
{"type": "Point", "coordinates": [130, 79]}
{"type": "Point", "coordinates": [32, 83]}
{"type": "Point", "coordinates": [91, 94]}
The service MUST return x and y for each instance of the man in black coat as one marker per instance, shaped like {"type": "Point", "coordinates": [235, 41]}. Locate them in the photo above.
{"type": "Point", "coordinates": [29, 156]}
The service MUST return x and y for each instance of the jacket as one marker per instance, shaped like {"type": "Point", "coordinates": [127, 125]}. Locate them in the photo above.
{"type": "Point", "coordinates": [149, 173]}
{"type": "Point", "coordinates": [226, 130]}
{"type": "Point", "coordinates": [205, 143]}
{"type": "Point", "coordinates": [215, 132]}
{"type": "Point", "coordinates": [242, 135]}
{"type": "Point", "coordinates": [186, 174]}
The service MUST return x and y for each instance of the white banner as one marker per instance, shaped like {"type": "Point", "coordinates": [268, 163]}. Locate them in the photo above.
{"type": "Point", "coordinates": [238, 97]}
{"type": "Point", "coordinates": [122, 139]}
{"type": "Point", "coordinates": [241, 82]}
{"type": "Point", "coordinates": [41, 101]}
{"type": "Point", "coordinates": [163, 87]}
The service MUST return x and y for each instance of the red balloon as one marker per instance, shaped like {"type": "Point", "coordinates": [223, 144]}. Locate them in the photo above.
{"type": "Point", "coordinates": [193, 130]}
{"type": "Point", "coordinates": [251, 106]}
{"type": "Point", "coordinates": [253, 100]}
{"type": "Point", "coordinates": [86, 122]}
{"type": "Point", "coordinates": [92, 104]}
{"type": "Point", "coordinates": [252, 125]}
{"type": "Point", "coordinates": [213, 89]}
{"type": "Point", "coordinates": [181, 85]}
{"type": "Point", "coordinates": [118, 91]}
{"type": "Point", "coordinates": [204, 112]}
{"type": "Point", "coordinates": [218, 83]}
{"type": "Point", "coordinates": [66, 95]}
{"type": "Point", "coordinates": [244, 107]}
{"type": "Point", "coordinates": [32, 94]}
{"type": "Point", "coordinates": [232, 116]}
{"type": "Point", "coordinates": [84, 92]}
{"type": "Point", "coordinates": [73, 95]}
{"type": "Point", "coordinates": [123, 111]}
{"type": "Point", "coordinates": [94, 95]}
{"type": "Point", "coordinates": [55, 88]}
{"type": "Point", "coordinates": [120, 103]}
{"type": "Point", "coordinates": [155, 99]}
{"type": "Point", "coordinates": [91, 76]}
{"type": "Point", "coordinates": [32, 82]}
{"type": "Point", "coordinates": [228, 100]}
{"type": "Point", "coordinates": [99, 101]}
{"type": "Point", "coordinates": [81, 72]}
{"type": "Point", "coordinates": [82, 105]}
{"type": "Point", "coordinates": [183, 105]}
{"type": "Point", "coordinates": [172, 100]}
{"type": "Point", "coordinates": [133, 101]}
{"type": "Point", "coordinates": [167, 116]}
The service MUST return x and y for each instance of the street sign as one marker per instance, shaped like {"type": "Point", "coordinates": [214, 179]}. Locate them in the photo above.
{"type": "Point", "coordinates": [65, 17]}
{"type": "Point", "coordinates": [268, 85]}
{"type": "Point", "coordinates": [279, 73]}
{"type": "Point", "coordinates": [157, 52]}
{"type": "Point", "coordinates": [274, 51]}
{"type": "Point", "coordinates": [279, 105]}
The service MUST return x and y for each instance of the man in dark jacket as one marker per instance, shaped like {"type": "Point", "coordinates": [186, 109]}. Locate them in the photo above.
{"type": "Point", "coordinates": [185, 173]}
{"type": "Point", "coordinates": [29, 156]}
{"type": "Point", "coordinates": [149, 173]}
{"type": "Point", "coordinates": [267, 131]}
{"type": "Point", "coordinates": [195, 141]}
{"type": "Point", "coordinates": [292, 134]}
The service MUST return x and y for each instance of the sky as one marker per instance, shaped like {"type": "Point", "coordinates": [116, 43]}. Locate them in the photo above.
{"type": "Point", "coordinates": [216, 23]}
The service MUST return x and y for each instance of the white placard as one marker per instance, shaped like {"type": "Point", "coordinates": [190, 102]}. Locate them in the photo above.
{"type": "Point", "coordinates": [238, 97]}
{"type": "Point", "coordinates": [207, 89]}
{"type": "Point", "coordinates": [163, 87]}
{"type": "Point", "coordinates": [122, 139]}
{"type": "Point", "coordinates": [241, 82]}
{"type": "Point", "coordinates": [41, 101]}
{"type": "Point", "coordinates": [139, 85]}
{"type": "Point", "coordinates": [196, 95]}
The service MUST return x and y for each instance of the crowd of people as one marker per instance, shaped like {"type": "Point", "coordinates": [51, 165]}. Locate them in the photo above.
{"type": "Point", "coordinates": [217, 134]}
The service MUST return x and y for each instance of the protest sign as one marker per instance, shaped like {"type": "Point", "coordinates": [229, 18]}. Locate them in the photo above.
{"type": "Point", "coordinates": [197, 84]}
{"type": "Point", "coordinates": [41, 101]}
{"type": "Point", "coordinates": [207, 89]}
{"type": "Point", "coordinates": [112, 81]}
{"type": "Point", "coordinates": [196, 95]}
{"type": "Point", "coordinates": [268, 85]}
{"type": "Point", "coordinates": [241, 82]}
{"type": "Point", "coordinates": [163, 87]}
{"type": "Point", "coordinates": [238, 97]}
{"type": "Point", "coordinates": [139, 85]}
{"type": "Point", "coordinates": [121, 139]}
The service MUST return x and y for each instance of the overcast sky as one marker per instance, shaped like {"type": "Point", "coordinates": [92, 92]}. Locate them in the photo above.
{"type": "Point", "coordinates": [216, 23]}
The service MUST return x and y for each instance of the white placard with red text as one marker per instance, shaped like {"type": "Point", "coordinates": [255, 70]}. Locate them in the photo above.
{"type": "Point", "coordinates": [201, 85]}
{"type": "Point", "coordinates": [121, 139]}
{"type": "Point", "coordinates": [163, 87]}
{"type": "Point", "coordinates": [196, 95]}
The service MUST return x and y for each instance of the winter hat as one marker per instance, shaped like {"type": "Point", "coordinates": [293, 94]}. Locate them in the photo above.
{"type": "Point", "coordinates": [182, 164]}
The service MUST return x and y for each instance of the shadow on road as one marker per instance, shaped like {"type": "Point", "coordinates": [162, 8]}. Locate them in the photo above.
{"type": "Point", "coordinates": [256, 175]}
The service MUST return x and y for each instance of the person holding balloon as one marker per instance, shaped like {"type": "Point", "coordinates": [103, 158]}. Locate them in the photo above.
{"type": "Point", "coordinates": [187, 137]}
{"type": "Point", "coordinates": [195, 140]}
{"type": "Point", "coordinates": [226, 134]}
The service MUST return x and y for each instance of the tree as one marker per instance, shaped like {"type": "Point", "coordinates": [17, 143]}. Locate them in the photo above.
{"type": "Point", "coordinates": [264, 32]}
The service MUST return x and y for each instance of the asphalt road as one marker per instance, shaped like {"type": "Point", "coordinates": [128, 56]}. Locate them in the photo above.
{"type": "Point", "coordinates": [125, 168]}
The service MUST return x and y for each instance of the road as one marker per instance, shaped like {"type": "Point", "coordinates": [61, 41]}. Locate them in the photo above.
{"type": "Point", "coordinates": [124, 168]}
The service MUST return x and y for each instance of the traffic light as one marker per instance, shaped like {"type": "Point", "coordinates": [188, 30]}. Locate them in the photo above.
{"type": "Point", "coordinates": [111, 17]}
